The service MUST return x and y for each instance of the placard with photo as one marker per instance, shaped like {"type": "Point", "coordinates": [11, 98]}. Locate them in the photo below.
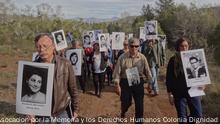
{"type": "Point", "coordinates": [96, 34]}
{"type": "Point", "coordinates": [34, 88]}
{"type": "Point", "coordinates": [59, 40]}
{"type": "Point", "coordinates": [195, 67]}
{"type": "Point", "coordinates": [142, 34]}
{"type": "Point", "coordinates": [75, 57]}
{"type": "Point", "coordinates": [130, 35]}
{"type": "Point", "coordinates": [162, 39]}
{"type": "Point", "coordinates": [92, 36]}
{"type": "Point", "coordinates": [86, 41]}
{"type": "Point", "coordinates": [150, 28]}
{"type": "Point", "coordinates": [35, 56]}
{"type": "Point", "coordinates": [118, 40]}
{"type": "Point", "coordinates": [133, 76]}
{"type": "Point", "coordinates": [103, 41]}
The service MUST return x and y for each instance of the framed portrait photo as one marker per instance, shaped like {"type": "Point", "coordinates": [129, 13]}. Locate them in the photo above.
{"type": "Point", "coordinates": [75, 57]}
{"type": "Point", "coordinates": [34, 88]}
{"type": "Point", "coordinates": [162, 40]}
{"type": "Point", "coordinates": [35, 56]}
{"type": "Point", "coordinates": [103, 41]}
{"type": "Point", "coordinates": [195, 67]}
{"type": "Point", "coordinates": [118, 40]}
{"type": "Point", "coordinates": [59, 40]}
{"type": "Point", "coordinates": [150, 28]}
{"type": "Point", "coordinates": [91, 35]}
{"type": "Point", "coordinates": [142, 34]}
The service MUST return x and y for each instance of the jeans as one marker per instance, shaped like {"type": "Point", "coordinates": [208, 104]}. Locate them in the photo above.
{"type": "Point", "coordinates": [98, 80]}
{"type": "Point", "coordinates": [154, 84]}
{"type": "Point", "coordinates": [194, 104]}
{"type": "Point", "coordinates": [137, 92]}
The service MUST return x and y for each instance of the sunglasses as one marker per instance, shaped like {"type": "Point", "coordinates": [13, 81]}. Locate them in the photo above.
{"type": "Point", "coordinates": [132, 46]}
{"type": "Point", "coordinates": [125, 44]}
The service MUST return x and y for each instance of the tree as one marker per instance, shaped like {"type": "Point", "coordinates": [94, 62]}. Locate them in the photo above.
{"type": "Point", "coordinates": [147, 12]}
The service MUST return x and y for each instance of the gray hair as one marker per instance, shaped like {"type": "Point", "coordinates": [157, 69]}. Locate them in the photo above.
{"type": "Point", "coordinates": [133, 40]}
{"type": "Point", "coordinates": [38, 36]}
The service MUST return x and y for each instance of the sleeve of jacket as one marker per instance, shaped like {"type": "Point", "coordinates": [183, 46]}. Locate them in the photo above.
{"type": "Point", "coordinates": [147, 71]}
{"type": "Point", "coordinates": [117, 71]}
{"type": "Point", "coordinates": [73, 89]}
{"type": "Point", "coordinates": [169, 75]}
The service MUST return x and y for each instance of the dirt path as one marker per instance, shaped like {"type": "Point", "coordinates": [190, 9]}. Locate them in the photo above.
{"type": "Point", "coordinates": [91, 107]}
{"type": "Point", "coordinates": [156, 109]}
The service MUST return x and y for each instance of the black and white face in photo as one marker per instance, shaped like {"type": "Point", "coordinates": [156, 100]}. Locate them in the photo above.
{"type": "Point", "coordinates": [87, 40]}
{"type": "Point", "coordinates": [91, 35]}
{"type": "Point", "coordinates": [102, 38]}
{"type": "Point", "coordinates": [117, 37]}
{"type": "Point", "coordinates": [151, 28]}
{"type": "Point", "coordinates": [34, 83]}
{"type": "Point", "coordinates": [59, 38]}
{"type": "Point", "coordinates": [194, 63]}
{"type": "Point", "coordinates": [74, 58]}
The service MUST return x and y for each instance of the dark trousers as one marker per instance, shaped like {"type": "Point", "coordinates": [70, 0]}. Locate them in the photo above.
{"type": "Point", "coordinates": [137, 92]}
{"type": "Point", "coordinates": [81, 83]}
{"type": "Point", "coordinates": [98, 80]}
{"type": "Point", "coordinates": [109, 74]}
{"type": "Point", "coordinates": [194, 104]}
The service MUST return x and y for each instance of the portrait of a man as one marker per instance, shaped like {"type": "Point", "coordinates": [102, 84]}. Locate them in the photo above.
{"type": "Point", "coordinates": [197, 70]}
{"type": "Point", "coordinates": [86, 41]}
{"type": "Point", "coordinates": [73, 58]}
{"type": "Point", "coordinates": [195, 67]}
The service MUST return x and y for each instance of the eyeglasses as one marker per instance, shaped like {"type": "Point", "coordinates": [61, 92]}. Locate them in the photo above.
{"type": "Point", "coordinates": [132, 46]}
{"type": "Point", "coordinates": [44, 48]}
{"type": "Point", "coordinates": [125, 44]}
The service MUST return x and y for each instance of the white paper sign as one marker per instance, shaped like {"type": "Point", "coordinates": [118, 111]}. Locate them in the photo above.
{"type": "Point", "coordinates": [59, 40]}
{"type": "Point", "coordinates": [103, 41]}
{"type": "Point", "coordinates": [34, 88]}
{"type": "Point", "coordinates": [118, 40]}
{"type": "Point", "coordinates": [133, 76]}
{"type": "Point", "coordinates": [142, 33]}
{"type": "Point", "coordinates": [151, 29]}
{"type": "Point", "coordinates": [75, 57]}
{"type": "Point", "coordinates": [195, 67]}
{"type": "Point", "coordinates": [195, 91]}
{"type": "Point", "coordinates": [35, 56]}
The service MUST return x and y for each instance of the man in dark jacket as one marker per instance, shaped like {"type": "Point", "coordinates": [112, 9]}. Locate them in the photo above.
{"type": "Point", "coordinates": [65, 92]}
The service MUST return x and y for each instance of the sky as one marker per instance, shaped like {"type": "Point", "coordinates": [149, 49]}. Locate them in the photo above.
{"type": "Point", "coordinates": [102, 8]}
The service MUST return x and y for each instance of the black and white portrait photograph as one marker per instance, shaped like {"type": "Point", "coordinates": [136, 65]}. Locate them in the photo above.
{"type": "Point", "coordinates": [92, 36]}
{"type": "Point", "coordinates": [150, 28]}
{"type": "Point", "coordinates": [97, 32]}
{"type": "Point", "coordinates": [75, 57]}
{"type": "Point", "coordinates": [117, 40]}
{"type": "Point", "coordinates": [35, 56]}
{"type": "Point", "coordinates": [195, 67]}
{"type": "Point", "coordinates": [103, 43]}
{"type": "Point", "coordinates": [133, 76]}
{"type": "Point", "coordinates": [142, 33]}
{"type": "Point", "coordinates": [34, 88]}
{"type": "Point", "coordinates": [59, 40]}
{"type": "Point", "coordinates": [86, 41]}
{"type": "Point", "coordinates": [130, 35]}
{"type": "Point", "coordinates": [34, 84]}
{"type": "Point", "coordinates": [162, 40]}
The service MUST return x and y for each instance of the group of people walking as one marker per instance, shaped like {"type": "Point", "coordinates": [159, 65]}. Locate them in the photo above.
{"type": "Point", "coordinates": [144, 57]}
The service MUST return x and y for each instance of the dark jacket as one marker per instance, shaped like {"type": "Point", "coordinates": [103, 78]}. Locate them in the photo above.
{"type": "Point", "coordinates": [175, 84]}
{"type": "Point", "coordinates": [64, 86]}
{"type": "Point", "coordinates": [103, 64]}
